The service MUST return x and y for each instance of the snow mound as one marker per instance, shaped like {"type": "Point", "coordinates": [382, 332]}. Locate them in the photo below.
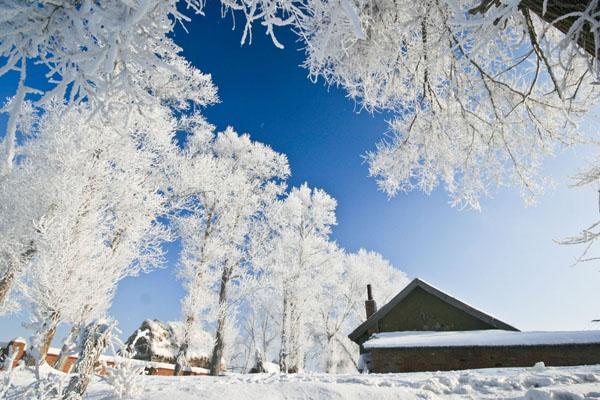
{"type": "Point", "coordinates": [536, 394]}
{"type": "Point", "coordinates": [551, 383]}
{"type": "Point", "coordinates": [271, 368]}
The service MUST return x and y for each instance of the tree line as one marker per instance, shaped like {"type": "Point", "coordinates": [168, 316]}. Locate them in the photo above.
{"type": "Point", "coordinates": [93, 181]}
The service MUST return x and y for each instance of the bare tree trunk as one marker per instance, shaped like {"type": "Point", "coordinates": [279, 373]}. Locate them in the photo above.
{"type": "Point", "coordinates": [14, 110]}
{"type": "Point", "coordinates": [219, 347]}
{"type": "Point", "coordinates": [259, 363]}
{"type": "Point", "coordinates": [67, 348]}
{"type": "Point", "coordinates": [6, 282]}
{"type": "Point", "coordinates": [349, 353]}
{"type": "Point", "coordinates": [94, 341]}
{"type": "Point", "coordinates": [40, 343]}
{"type": "Point", "coordinates": [329, 363]}
{"type": "Point", "coordinates": [283, 350]}
{"type": "Point", "coordinates": [296, 359]}
{"type": "Point", "coordinates": [217, 354]}
{"type": "Point", "coordinates": [47, 339]}
{"type": "Point", "coordinates": [181, 360]}
{"type": "Point", "coordinates": [289, 354]}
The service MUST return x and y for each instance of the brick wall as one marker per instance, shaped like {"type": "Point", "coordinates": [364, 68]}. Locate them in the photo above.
{"type": "Point", "coordinates": [51, 359]}
{"type": "Point", "coordinates": [14, 347]}
{"type": "Point", "coordinates": [457, 358]}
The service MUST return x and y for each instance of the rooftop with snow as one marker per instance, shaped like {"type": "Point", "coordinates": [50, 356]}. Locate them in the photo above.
{"type": "Point", "coordinates": [482, 338]}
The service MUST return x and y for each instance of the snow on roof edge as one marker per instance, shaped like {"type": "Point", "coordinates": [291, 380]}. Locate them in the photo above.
{"type": "Point", "coordinates": [480, 338]}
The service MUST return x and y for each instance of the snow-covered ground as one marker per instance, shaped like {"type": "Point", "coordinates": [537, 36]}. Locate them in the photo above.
{"type": "Point", "coordinates": [535, 383]}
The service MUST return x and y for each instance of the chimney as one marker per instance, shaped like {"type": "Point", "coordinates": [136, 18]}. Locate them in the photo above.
{"type": "Point", "coordinates": [370, 305]}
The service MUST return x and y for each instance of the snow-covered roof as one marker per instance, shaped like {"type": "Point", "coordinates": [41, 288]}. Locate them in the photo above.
{"type": "Point", "coordinates": [484, 338]}
{"type": "Point", "coordinates": [163, 340]}
{"type": "Point", "coordinates": [419, 283]}
{"type": "Point", "coordinates": [163, 365]}
{"type": "Point", "coordinates": [53, 351]}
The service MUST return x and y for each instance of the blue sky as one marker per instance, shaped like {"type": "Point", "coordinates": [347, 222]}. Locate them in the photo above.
{"type": "Point", "coordinates": [502, 259]}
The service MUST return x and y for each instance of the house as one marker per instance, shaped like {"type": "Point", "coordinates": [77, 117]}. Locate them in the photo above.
{"type": "Point", "coordinates": [16, 351]}
{"type": "Point", "coordinates": [425, 329]}
{"type": "Point", "coordinates": [159, 342]}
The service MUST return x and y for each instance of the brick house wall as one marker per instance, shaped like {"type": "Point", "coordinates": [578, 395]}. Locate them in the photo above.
{"type": "Point", "coordinates": [52, 357]}
{"type": "Point", "coordinates": [419, 359]}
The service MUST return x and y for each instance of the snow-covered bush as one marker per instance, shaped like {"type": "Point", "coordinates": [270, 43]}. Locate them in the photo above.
{"type": "Point", "coordinates": [49, 385]}
{"type": "Point", "coordinates": [124, 375]}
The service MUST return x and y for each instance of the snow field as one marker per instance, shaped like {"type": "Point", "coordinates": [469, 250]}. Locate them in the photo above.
{"type": "Point", "coordinates": [535, 383]}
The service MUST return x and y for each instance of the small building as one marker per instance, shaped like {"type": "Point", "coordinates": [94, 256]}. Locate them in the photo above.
{"type": "Point", "coordinates": [159, 342]}
{"type": "Point", "coordinates": [15, 349]}
{"type": "Point", "coordinates": [425, 329]}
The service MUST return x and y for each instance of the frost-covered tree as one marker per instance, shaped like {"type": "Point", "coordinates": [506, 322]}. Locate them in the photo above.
{"type": "Point", "coordinates": [369, 267]}
{"type": "Point", "coordinates": [589, 236]}
{"type": "Point", "coordinates": [483, 90]}
{"type": "Point", "coordinates": [99, 194]}
{"type": "Point", "coordinates": [228, 182]}
{"type": "Point", "coordinates": [293, 259]}
{"type": "Point", "coordinates": [259, 333]}
{"type": "Point", "coordinates": [480, 100]}
{"type": "Point", "coordinates": [309, 293]}
{"type": "Point", "coordinates": [340, 303]}
{"type": "Point", "coordinates": [331, 309]}
{"type": "Point", "coordinates": [142, 90]}
{"type": "Point", "coordinates": [110, 54]}
{"type": "Point", "coordinates": [19, 206]}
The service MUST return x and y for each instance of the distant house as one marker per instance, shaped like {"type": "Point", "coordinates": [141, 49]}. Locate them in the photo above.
{"type": "Point", "coordinates": [425, 329]}
{"type": "Point", "coordinates": [154, 345]}
{"type": "Point", "coordinates": [159, 342]}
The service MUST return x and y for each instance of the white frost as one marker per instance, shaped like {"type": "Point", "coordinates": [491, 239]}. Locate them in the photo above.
{"type": "Point", "coordinates": [506, 383]}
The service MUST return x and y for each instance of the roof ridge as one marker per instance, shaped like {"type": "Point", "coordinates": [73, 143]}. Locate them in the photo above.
{"type": "Point", "coordinates": [476, 312]}
{"type": "Point", "coordinates": [431, 289]}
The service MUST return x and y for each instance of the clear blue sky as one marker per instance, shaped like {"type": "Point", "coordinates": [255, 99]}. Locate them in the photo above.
{"type": "Point", "coordinates": [502, 259]}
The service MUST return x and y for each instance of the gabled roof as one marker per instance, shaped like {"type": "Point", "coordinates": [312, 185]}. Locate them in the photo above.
{"type": "Point", "coordinates": [418, 283]}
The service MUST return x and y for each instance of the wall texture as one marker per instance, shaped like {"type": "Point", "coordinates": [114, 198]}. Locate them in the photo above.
{"type": "Point", "coordinates": [456, 358]}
